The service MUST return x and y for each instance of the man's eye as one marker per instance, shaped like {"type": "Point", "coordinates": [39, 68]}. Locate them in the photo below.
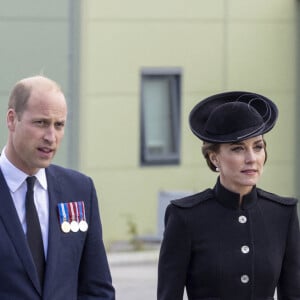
{"type": "Point", "coordinates": [40, 122]}
{"type": "Point", "coordinates": [60, 125]}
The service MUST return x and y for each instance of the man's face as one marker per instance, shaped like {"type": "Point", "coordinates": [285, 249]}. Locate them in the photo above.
{"type": "Point", "coordinates": [35, 135]}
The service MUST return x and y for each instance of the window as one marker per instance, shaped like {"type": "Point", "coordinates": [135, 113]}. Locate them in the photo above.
{"type": "Point", "coordinates": [160, 116]}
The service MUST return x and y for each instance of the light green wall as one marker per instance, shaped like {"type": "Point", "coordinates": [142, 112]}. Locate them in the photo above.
{"type": "Point", "coordinates": [34, 39]}
{"type": "Point", "coordinates": [220, 45]}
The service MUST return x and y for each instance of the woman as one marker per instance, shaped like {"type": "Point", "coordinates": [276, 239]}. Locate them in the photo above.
{"type": "Point", "coordinates": [235, 241]}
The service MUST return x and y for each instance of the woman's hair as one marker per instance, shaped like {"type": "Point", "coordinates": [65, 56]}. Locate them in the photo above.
{"type": "Point", "coordinates": [208, 148]}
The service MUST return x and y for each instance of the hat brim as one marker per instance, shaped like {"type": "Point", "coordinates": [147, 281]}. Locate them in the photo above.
{"type": "Point", "coordinates": [201, 112]}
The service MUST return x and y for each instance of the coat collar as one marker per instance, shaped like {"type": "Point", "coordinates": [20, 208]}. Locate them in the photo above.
{"type": "Point", "coordinates": [231, 200]}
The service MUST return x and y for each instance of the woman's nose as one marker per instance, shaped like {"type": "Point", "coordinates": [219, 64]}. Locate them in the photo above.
{"type": "Point", "coordinates": [250, 156]}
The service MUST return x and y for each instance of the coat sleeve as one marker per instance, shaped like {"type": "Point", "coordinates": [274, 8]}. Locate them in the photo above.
{"type": "Point", "coordinates": [289, 282]}
{"type": "Point", "coordinates": [174, 256]}
{"type": "Point", "coordinates": [94, 281]}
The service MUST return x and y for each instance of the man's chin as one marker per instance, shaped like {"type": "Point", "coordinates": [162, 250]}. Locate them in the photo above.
{"type": "Point", "coordinates": [44, 163]}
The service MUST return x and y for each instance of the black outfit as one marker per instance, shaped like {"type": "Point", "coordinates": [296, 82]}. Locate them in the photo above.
{"type": "Point", "coordinates": [221, 251]}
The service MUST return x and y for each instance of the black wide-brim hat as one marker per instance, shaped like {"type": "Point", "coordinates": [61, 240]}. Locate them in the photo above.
{"type": "Point", "coordinates": [232, 116]}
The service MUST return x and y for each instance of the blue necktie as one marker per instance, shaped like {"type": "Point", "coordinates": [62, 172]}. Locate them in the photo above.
{"type": "Point", "coordinates": [34, 234]}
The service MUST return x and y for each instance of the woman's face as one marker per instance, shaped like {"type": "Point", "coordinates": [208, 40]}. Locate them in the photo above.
{"type": "Point", "coordinates": [240, 164]}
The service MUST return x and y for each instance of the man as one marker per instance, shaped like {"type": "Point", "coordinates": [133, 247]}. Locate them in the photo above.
{"type": "Point", "coordinates": [52, 250]}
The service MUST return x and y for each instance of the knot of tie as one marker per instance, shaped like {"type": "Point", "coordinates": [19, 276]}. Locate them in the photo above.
{"type": "Point", "coordinates": [30, 183]}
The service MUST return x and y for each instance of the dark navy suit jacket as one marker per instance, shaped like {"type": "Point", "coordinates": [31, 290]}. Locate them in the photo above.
{"type": "Point", "coordinates": [76, 267]}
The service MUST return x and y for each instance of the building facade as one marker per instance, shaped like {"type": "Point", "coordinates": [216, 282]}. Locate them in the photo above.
{"type": "Point", "coordinates": [132, 71]}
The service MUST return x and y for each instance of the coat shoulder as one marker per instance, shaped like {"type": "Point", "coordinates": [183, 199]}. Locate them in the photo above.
{"type": "Point", "coordinates": [193, 200]}
{"type": "Point", "coordinates": [277, 198]}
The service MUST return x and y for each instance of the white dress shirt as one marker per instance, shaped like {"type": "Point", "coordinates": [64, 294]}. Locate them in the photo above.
{"type": "Point", "coordinates": [16, 181]}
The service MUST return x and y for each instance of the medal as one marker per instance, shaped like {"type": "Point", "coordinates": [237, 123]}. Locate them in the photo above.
{"type": "Point", "coordinates": [64, 217]}
{"type": "Point", "coordinates": [73, 217]}
{"type": "Point", "coordinates": [74, 226]}
{"type": "Point", "coordinates": [83, 225]}
{"type": "Point", "coordinates": [65, 227]}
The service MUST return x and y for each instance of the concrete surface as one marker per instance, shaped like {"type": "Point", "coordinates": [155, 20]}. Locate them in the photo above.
{"type": "Point", "coordinates": [134, 274]}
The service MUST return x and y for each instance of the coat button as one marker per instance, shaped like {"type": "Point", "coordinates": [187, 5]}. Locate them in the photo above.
{"type": "Point", "coordinates": [242, 219]}
{"type": "Point", "coordinates": [245, 278]}
{"type": "Point", "coordinates": [245, 249]}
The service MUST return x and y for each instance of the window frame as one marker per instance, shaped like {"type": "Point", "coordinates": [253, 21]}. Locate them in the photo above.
{"type": "Point", "coordinates": [174, 75]}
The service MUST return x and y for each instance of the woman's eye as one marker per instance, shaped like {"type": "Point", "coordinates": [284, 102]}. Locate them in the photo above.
{"type": "Point", "coordinates": [258, 147]}
{"type": "Point", "coordinates": [237, 149]}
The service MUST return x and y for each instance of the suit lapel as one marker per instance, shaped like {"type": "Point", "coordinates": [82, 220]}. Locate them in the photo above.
{"type": "Point", "coordinates": [55, 196]}
{"type": "Point", "coordinates": [11, 221]}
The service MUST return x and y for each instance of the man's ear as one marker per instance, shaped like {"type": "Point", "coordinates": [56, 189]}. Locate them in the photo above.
{"type": "Point", "coordinates": [11, 118]}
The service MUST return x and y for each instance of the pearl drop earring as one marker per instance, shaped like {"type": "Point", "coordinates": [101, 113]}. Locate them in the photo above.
{"type": "Point", "coordinates": [217, 169]}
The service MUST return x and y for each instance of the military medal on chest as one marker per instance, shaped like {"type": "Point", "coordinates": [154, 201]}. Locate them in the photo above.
{"type": "Point", "coordinates": [83, 225]}
{"type": "Point", "coordinates": [64, 217]}
{"type": "Point", "coordinates": [72, 217]}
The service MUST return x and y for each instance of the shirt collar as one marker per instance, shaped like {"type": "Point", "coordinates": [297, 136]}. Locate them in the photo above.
{"type": "Point", "coordinates": [231, 200]}
{"type": "Point", "coordinates": [15, 177]}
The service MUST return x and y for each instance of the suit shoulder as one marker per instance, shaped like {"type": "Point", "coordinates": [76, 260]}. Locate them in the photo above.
{"type": "Point", "coordinates": [59, 171]}
{"type": "Point", "coordinates": [193, 200]}
{"type": "Point", "coordinates": [277, 198]}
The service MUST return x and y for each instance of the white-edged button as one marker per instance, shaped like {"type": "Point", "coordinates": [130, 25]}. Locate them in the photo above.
{"type": "Point", "coordinates": [242, 219]}
{"type": "Point", "coordinates": [245, 249]}
{"type": "Point", "coordinates": [245, 278]}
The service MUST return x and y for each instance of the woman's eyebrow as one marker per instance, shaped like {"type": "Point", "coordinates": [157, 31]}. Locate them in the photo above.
{"type": "Point", "coordinates": [242, 143]}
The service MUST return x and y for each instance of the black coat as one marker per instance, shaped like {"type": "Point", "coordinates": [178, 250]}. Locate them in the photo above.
{"type": "Point", "coordinates": [221, 251]}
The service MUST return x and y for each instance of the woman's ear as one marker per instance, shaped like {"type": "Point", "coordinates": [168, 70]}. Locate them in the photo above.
{"type": "Point", "coordinates": [213, 158]}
